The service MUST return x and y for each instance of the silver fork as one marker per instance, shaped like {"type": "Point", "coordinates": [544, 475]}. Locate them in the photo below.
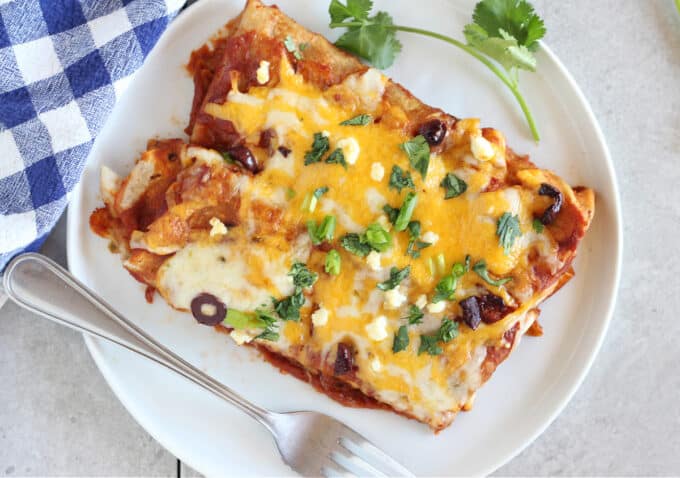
{"type": "Point", "coordinates": [311, 443]}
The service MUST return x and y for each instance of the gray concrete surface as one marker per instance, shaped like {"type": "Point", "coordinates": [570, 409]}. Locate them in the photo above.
{"type": "Point", "coordinates": [58, 417]}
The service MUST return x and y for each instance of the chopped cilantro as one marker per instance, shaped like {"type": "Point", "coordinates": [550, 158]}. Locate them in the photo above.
{"type": "Point", "coordinates": [318, 192]}
{"type": "Point", "coordinates": [414, 245]}
{"type": "Point", "coordinates": [445, 289]}
{"type": "Point", "coordinates": [396, 277]}
{"type": "Point", "coordinates": [537, 225]}
{"type": "Point", "coordinates": [359, 120]}
{"type": "Point", "coordinates": [400, 179]}
{"type": "Point", "coordinates": [428, 344]}
{"type": "Point", "coordinates": [418, 152]}
{"type": "Point", "coordinates": [453, 185]}
{"type": "Point", "coordinates": [337, 157]}
{"type": "Point", "coordinates": [448, 330]}
{"type": "Point", "coordinates": [302, 277]}
{"type": "Point", "coordinates": [415, 315]}
{"type": "Point", "coordinates": [507, 230]}
{"type": "Point", "coordinates": [320, 145]}
{"type": "Point", "coordinates": [374, 238]}
{"type": "Point", "coordinates": [400, 340]}
{"type": "Point", "coordinates": [352, 242]}
{"type": "Point", "coordinates": [391, 212]}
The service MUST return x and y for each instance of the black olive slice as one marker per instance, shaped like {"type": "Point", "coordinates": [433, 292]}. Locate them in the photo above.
{"type": "Point", "coordinates": [549, 215]}
{"type": "Point", "coordinates": [208, 309]}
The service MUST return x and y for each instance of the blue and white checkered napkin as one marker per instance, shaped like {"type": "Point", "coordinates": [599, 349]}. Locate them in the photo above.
{"type": "Point", "coordinates": [63, 64]}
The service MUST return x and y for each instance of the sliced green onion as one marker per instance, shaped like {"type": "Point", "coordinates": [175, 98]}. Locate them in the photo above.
{"type": "Point", "coordinates": [405, 212]}
{"type": "Point", "coordinates": [333, 262]}
{"type": "Point", "coordinates": [441, 263]}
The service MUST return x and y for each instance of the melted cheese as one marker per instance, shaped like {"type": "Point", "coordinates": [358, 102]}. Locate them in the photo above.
{"type": "Point", "coordinates": [353, 308]}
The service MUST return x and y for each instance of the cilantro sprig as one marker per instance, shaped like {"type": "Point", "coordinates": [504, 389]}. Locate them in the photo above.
{"type": "Point", "coordinates": [504, 36]}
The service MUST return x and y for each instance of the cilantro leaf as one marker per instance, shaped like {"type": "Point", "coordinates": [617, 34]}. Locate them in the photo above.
{"type": "Point", "coordinates": [507, 230]}
{"type": "Point", "coordinates": [400, 339]}
{"type": "Point", "coordinates": [318, 192]}
{"type": "Point", "coordinates": [337, 157]}
{"type": "Point", "coordinates": [481, 270]}
{"type": "Point", "coordinates": [332, 265]}
{"type": "Point", "coordinates": [415, 315]}
{"type": "Point", "coordinates": [447, 331]}
{"type": "Point", "coordinates": [352, 243]}
{"type": "Point", "coordinates": [453, 185]}
{"type": "Point", "coordinates": [320, 145]}
{"type": "Point", "coordinates": [391, 212]}
{"type": "Point", "coordinates": [414, 245]}
{"type": "Point", "coordinates": [400, 180]}
{"type": "Point", "coordinates": [288, 308]}
{"type": "Point", "coordinates": [538, 225]}
{"type": "Point", "coordinates": [302, 277]}
{"type": "Point", "coordinates": [418, 152]}
{"type": "Point", "coordinates": [428, 344]}
{"type": "Point", "coordinates": [270, 325]}
{"type": "Point", "coordinates": [359, 120]}
{"type": "Point", "coordinates": [355, 8]}
{"type": "Point", "coordinates": [372, 39]}
{"type": "Point", "coordinates": [516, 18]}
{"type": "Point", "coordinates": [396, 277]}
{"type": "Point", "coordinates": [504, 49]}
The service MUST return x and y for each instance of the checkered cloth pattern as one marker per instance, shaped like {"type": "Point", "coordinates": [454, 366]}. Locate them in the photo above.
{"type": "Point", "coordinates": [63, 65]}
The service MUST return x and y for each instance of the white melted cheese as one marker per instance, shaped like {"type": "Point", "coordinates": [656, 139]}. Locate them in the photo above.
{"type": "Point", "coordinates": [282, 122]}
{"type": "Point", "coordinates": [224, 273]}
{"type": "Point", "coordinates": [369, 87]}
{"type": "Point", "coordinates": [310, 106]}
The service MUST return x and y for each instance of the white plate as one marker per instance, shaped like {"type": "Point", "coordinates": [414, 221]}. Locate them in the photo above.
{"type": "Point", "coordinates": [526, 393]}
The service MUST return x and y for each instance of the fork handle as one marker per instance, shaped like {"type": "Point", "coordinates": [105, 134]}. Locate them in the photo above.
{"type": "Point", "coordinates": [42, 286]}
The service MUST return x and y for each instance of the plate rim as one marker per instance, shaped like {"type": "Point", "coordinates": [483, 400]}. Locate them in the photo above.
{"type": "Point", "coordinates": [94, 345]}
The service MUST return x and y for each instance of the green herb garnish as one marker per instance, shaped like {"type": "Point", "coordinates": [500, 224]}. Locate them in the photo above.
{"type": "Point", "coordinates": [428, 344]}
{"type": "Point", "coordinates": [288, 308]}
{"type": "Point", "coordinates": [418, 152]}
{"type": "Point", "coordinates": [337, 157]}
{"type": "Point", "coordinates": [400, 339]}
{"type": "Point", "coordinates": [537, 224]}
{"type": "Point", "coordinates": [481, 270]}
{"type": "Point", "coordinates": [405, 212]}
{"type": "Point", "coordinates": [359, 120]}
{"type": "Point", "coordinates": [445, 289]}
{"type": "Point", "coordinates": [414, 245]}
{"type": "Point", "coordinates": [448, 330]}
{"type": "Point", "coordinates": [318, 192]}
{"type": "Point", "coordinates": [400, 179]}
{"type": "Point", "coordinates": [396, 277]}
{"type": "Point", "coordinates": [453, 185]}
{"type": "Point", "coordinates": [270, 331]}
{"type": "Point", "coordinates": [291, 47]}
{"type": "Point", "coordinates": [227, 157]}
{"type": "Point", "coordinates": [352, 243]}
{"type": "Point", "coordinates": [415, 315]}
{"type": "Point", "coordinates": [391, 212]}
{"type": "Point", "coordinates": [503, 36]}
{"type": "Point", "coordinates": [320, 145]}
{"type": "Point", "coordinates": [302, 277]}
{"type": "Point", "coordinates": [322, 232]}
{"type": "Point", "coordinates": [507, 230]}
{"type": "Point", "coordinates": [332, 265]}
{"type": "Point", "coordinates": [375, 238]}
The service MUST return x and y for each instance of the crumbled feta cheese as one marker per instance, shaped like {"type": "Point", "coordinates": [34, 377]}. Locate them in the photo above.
{"type": "Point", "coordinates": [217, 227]}
{"type": "Point", "coordinates": [320, 317]}
{"type": "Point", "coordinates": [384, 222]}
{"type": "Point", "coordinates": [373, 260]}
{"type": "Point", "coordinates": [377, 172]}
{"type": "Point", "coordinates": [377, 329]}
{"type": "Point", "coordinates": [421, 302]}
{"type": "Point", "coordinates": [376, 366]}
{"type": "Point", "coordinates": [263, 72]}
{"type": "Point", "coordinates": [430, 237]}
{"type": "Point", "coordinates": [350, 148]}
{"type": "Point", "coordinates": [481, 148]}
{"type": "Point", "coordinates": [436, 307]}
{"type": "Point", "coordinates": [241, 336]}
{"type": "Point", "coordinates": [394, 298]}
{"type": "Point", "coordinates": [326, 134]}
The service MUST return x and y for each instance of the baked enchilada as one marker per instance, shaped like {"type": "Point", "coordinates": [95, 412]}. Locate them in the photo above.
{"type": "Point", "coordinates": [383, 250]}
